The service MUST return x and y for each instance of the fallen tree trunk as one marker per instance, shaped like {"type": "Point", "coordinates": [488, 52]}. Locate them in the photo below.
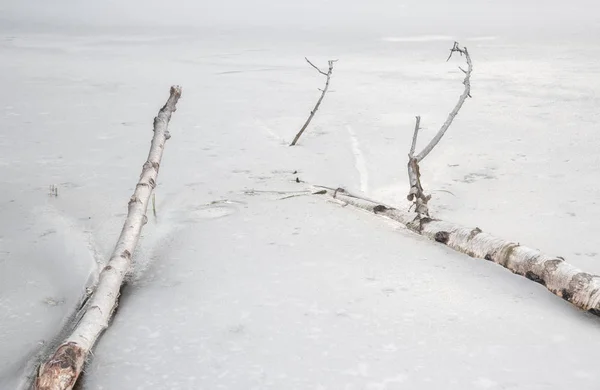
{"type": "Point", "coordinates": [61, 370]}
{"type": "Point", "coordinates": [553, 272]}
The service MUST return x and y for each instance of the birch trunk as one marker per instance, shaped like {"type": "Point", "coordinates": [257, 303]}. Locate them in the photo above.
{"type": "Point", "coordinates": [553, 272]}
{"type": "Point", "coordinates": [61, 370]}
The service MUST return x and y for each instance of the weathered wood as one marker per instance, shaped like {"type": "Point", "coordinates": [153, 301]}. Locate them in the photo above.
{"type": "Point", "coordinates": [461, 100]}
{"type": "Point", "coordinates": [416, 192]}
{"type": "Point", "coordinates": [323, 92]}
{"type": "Point", "coordinates": [553, 272]}
{"type": "Point", "coordinates": [61, 370]}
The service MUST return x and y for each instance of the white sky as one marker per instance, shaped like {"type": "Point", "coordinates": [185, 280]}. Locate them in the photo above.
{"type": "Point", "coordinates": [385, 16]}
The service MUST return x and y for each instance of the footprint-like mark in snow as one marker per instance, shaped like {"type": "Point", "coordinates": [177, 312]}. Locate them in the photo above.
{"type": "Point", "coordinates": [359, 161]}
{"type": "Point", "coordinates": [173, 216]}
{"type": "Point", "coordinates": [270, 132]}
{"type": "Point", "coordinates": [211, 212]}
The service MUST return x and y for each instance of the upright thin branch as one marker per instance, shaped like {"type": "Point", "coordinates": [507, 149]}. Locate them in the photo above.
{"type": "Point", "coordinates": [61, 370]}
{"type": "Point", "coordinates": [414, 175]}
{"type": "Point", "coordinates": [415, 135]}
{"type": "Point", "coordinates": [416, 193]}
{"type": "Point", "coordinates": [323, 92]}
{"type": "Point", "coordinates": [466, 93]}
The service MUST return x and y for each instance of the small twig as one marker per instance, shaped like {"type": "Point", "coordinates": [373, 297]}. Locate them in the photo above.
{"type": "Point", "coordinates": [250, 192]}
{"type": "Point", "coordinates": [323, 92]}
{"type": "Point", "coordinates": [53, 190]}
{"type": "Point", "coordinates": [316, 67]}
{"type": "Point", "coordinates": [296, 195]}
{"type": "Point", "coordinates": [293, 196]}
{"type": "Point", "coordinates": [449, 192]}
{"type": "Point", "coordinates": [341, 190]}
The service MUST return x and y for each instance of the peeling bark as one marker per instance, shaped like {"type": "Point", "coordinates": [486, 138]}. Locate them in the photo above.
{"type": "Point", "coordinates": [61, 370]}
{"type": "Point", "coordinates": [559, 277]}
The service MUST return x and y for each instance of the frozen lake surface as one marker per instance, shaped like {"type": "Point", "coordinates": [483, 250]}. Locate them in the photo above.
{"type": "Point", "coordinates": [237, 288]}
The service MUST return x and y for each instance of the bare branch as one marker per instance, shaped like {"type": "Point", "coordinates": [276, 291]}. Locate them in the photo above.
{"type": "Point", "coordinates": [416, 193]}
{"type": "Point", "coordinates": [466, 93]}
{"type": "Point", "coordinates": [314, 66]}
{"type": "Point", "coordinates": [415, 135]}
{"type": "Point", "coordinates": [446, 191]}
{"type": "Point", "coordinates": [323, 92]}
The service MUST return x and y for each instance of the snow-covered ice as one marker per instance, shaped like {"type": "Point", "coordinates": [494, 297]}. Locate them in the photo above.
{"type": "Point", "coordinates": [235, 287]}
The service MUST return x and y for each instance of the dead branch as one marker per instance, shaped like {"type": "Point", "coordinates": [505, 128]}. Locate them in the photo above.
{"type": "Point", "coordinates": [416, 193]}
{"type": "Point", "coordinates": [314, 66]}
{"type": "Point", "coordinates": [561, 278]}
{"type": "Point", "coordinates": [415, 135]}
{"type": "Point", "coordinates": [466, 93]}
{"type": "Point", "coordinates": [61, 370]}
{"type": "Point", "coordinates": [323, 92]}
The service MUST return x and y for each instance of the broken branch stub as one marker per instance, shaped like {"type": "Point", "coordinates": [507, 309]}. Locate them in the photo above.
{"type": "Point", "coordinates": [323, 92]}
{"type": "Point", "coordinates": [416, 193]}
{"type": "Point", "coordinates": [61, 370]}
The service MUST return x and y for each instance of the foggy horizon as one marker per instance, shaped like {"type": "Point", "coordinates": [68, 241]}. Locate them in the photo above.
{"type": "Point", "coordinates": [384, 17]}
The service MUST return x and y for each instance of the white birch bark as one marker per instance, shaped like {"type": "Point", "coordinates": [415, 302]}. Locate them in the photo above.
{"type": "Point", "coordinates": [553, 272]}
{"type": "Point", "coordinates": [61, 370]}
